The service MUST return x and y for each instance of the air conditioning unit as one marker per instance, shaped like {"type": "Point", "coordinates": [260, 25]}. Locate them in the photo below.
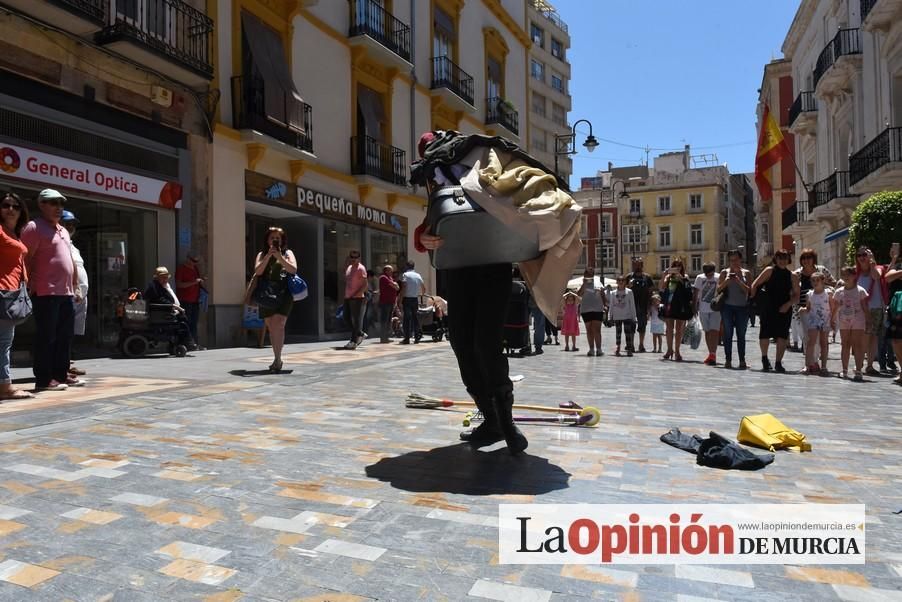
{"type": "Point", "coordinates": [161, 96]}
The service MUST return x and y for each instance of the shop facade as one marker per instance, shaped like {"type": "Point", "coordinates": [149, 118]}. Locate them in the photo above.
{"type": "Point", "coordinates": [125, 190]}
{"type": "Point", "coordinates": [322, 228]}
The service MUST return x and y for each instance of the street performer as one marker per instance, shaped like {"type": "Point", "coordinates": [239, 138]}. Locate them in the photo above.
{"type": "Point", "coordinates": [519, 191]}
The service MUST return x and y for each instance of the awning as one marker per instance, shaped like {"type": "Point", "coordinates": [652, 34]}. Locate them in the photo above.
{"type": "Point", "coordinates": [841, 233]}
{"type": "Point", "coordinates": [282, 102]}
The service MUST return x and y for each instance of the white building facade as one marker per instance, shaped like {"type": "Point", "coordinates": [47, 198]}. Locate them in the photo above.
{"type": "Point", "coordinates": [846, 58]}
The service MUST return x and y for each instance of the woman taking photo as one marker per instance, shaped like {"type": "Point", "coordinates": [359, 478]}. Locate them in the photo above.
{"type": "Point", "coordinates": [273, 261]}
{"type": "Point", "coordinates": [14, 216]}
{"type": "Point", "coordinates": [781, 292]}
{"type": "Point", "coordinates": [735, 313]}
{"type": "Point", "coordinates": [592, 309]}
{"type": "Point", "coordinates": [676, 299]}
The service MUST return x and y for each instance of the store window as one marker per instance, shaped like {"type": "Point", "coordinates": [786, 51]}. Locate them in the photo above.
{"type": "Point", "coordinates": [119, 246]}
{"type": "Point", "coordinates": [385, 249]}
{"type": "Point", "coordinates": [339, 239]}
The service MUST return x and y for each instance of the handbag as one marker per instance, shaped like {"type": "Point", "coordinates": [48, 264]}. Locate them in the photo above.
{"type": "Point", "coordinates": [269, 294]}
{"type": "Point", "coordinates": [763, 430]}
{"type": "Point", "coordinates": [719, 300]}
{"type": "Point", "coordinates": [472, 235]}
{"type": "Point", "coordinates": [297, 286]}
{"type": "Point", "coordinates": [15, 306]}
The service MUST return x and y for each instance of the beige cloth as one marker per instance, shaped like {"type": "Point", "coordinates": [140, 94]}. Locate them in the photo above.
{"type": "Point", "coordinates": [528, 200]}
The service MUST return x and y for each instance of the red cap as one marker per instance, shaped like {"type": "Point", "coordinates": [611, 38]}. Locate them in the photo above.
{"type": "Point", "coordinates": [425, 139]}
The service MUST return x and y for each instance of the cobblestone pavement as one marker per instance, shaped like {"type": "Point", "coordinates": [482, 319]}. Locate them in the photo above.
{"type": "Point", "coordinates": [208, 478]}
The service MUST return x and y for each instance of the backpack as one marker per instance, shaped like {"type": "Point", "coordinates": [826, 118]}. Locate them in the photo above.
{"type": "Point", "coordinates": [894, 312]}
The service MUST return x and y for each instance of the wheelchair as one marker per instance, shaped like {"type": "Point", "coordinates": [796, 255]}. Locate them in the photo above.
{"type": "Point", "coordinates": [146, 327]}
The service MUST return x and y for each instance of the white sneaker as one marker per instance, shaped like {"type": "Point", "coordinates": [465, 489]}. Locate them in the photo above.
{"type": "Point", "coordinates": [351, 345]}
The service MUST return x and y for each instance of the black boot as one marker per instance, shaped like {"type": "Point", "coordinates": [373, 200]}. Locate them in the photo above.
{"type": "Point", "coordinates": [516, 441]}
{"type": "Point", "coordinates": [486, 433]}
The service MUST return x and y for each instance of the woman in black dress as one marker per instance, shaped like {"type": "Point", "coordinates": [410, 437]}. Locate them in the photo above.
{"type": "Point", "coordinates": [676, 303]}
{"type": "Point", "coordinates": [775, 291]}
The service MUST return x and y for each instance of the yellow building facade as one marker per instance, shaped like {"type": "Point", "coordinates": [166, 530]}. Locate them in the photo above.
{"type": "Point", "coordinates": [321, 107]}
{"type": "Point", "coordinates": [661, 223]}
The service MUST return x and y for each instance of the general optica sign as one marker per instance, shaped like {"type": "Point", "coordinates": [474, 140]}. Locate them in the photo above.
{"type": "Point", "coordinates": [53, 171]}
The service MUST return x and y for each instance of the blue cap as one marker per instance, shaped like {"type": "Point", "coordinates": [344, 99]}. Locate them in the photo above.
{"type": "Point", "coordinates": [68, 216]}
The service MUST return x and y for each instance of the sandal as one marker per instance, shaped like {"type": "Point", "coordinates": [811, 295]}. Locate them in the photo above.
{"type": "Point", "coordinates": [678, 357]}
{"type": "Point", "coordinates": [668, 355]}
{"type": "Point", "coordinates": [16, 394]}
{"type": "Point", "coordinates": [276, 366]}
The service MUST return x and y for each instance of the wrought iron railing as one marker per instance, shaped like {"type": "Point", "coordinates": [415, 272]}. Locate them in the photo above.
{"type": "Point", "coordinates": [95, 10]}
{"type": "Point", "coordinates": [846, 42]}
{"type": "Point", "coordinates": [790, 215]}
{"type": "Point", "coordinates": [368, 18]}
{"type": "Point", "coordinates": [805, 102]}
{"type": "Point", "coordinates": [549, 13]}
{"type": "Point", "coordinates": [373, 158]}
{"type": "Point", "coordinates": [445, 74]}
{"type": "Point", "coordinates": [293, 125]}
{"type": "Point", "coordinates": [865, 8]}
{"type": "Point", "coordinates": [885, 148]}
{"type": "Point", "coordinates": [834, 186]}
{"type": "Point", "coordinates": [169, 27]}
{"type": "Point", "coordinates": [500, 111]}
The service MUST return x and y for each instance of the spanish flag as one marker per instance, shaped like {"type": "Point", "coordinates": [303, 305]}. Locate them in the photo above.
{"type": "Point", "coordinates": [771, 149]}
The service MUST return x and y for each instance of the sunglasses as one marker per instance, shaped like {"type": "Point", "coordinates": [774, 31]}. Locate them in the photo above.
{"type": "Point", "coordinates": [13, 206]}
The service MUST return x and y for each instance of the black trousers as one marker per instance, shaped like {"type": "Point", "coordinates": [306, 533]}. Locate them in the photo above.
{"type": "Point", "coordinates": [410, 322]}
{"type": "Point", "coordinates": [477, 304]}
{"type": "Point", "coordinates": [354, 309]}
{"type": "Point", "coordinates": [54, 319]}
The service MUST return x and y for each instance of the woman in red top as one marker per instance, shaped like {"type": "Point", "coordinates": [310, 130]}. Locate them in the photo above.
{"type": "Point", "coordinates": [13, 217]}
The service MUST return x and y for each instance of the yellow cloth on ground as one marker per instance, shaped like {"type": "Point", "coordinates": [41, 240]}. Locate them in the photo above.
{"type": "Point", "coordinates": [764, 430]}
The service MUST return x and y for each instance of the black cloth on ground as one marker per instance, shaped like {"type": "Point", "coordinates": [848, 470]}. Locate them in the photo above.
{"type": "Point", "coordinates": [717, 451]}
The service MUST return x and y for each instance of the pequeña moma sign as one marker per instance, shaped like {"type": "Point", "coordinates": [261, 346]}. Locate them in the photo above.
{"type": "Point", "coordinates": [264, 189]}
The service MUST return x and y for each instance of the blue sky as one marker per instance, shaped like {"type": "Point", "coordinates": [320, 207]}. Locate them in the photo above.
{"type": "Point", "coordinates": [665, 73]}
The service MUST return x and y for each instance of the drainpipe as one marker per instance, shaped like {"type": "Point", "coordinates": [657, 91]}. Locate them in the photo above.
{"type": "Point", "coordinates": [413, 81]}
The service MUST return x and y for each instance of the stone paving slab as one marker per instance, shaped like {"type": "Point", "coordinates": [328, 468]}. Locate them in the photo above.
{"type": "Point", "coordinates": [204, 478]}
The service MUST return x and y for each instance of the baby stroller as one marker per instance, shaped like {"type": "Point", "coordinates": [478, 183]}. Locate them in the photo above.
{"type": "Point", "coordinates": [145, 326]}
{"type": "Point", "coordinates": [432, 314]}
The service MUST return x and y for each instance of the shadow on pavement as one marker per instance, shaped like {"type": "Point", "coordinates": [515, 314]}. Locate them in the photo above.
{"type": "Point", "coordinates": [251, 373]}
{"type": "Point", "coordinates": [466, 470]}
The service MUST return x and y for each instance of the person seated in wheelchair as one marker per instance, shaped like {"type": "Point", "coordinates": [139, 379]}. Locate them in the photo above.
{"type": "Point", "coordinates": [163, 306]}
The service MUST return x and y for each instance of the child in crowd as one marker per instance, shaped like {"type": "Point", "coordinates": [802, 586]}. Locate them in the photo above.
{"type": "Point", "coordinates": [657, 324]}
{"type": "Point", "coordinates": [850, 303]}
{"type": "Point", "coordinates": [819, 313]}
{"type": "Point", "coordinates": [623, 314]}
{"type": "Point", "coordinates": [570, 323]}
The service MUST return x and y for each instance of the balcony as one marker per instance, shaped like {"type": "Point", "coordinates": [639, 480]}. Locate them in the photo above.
{"type": "Point", "coordinates": [879, 15]}
{"type": "Point", "coordinates": [500, 111]}
{"type": "Point", "coordinates": [169, 36]}
{"type": "Point", "coordinates": [803, 114]}
{"type": "Point", "coordinates": [452, 84]}
{"type": "Point", "coordinates": [369, 157]}
{"type": "Point", "coordinates": [249, 113]}
{"type": "Point", "coordinates": [81, 17]}
{"type": "Point", "coordinates": [878, 166]}
{"type": "Point", "coordinates": [377, 30]}
{"type": "Point", "coordinates": [831, 198]}
{"type": "Point", "coordinates": [837, 63]}
{"type": "Point", "coordinates": [549, 12]}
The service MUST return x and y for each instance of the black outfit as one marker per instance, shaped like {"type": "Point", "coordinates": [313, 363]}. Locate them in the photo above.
{"type": "Point", "coordinates": [54, 318]}
{"type": "Point", "coordinates": [778, 290]}
{"type": "Point", "coordinates": [676, 299]}
{"type": "Point", "coordinates": [477, 299]}
{"type": "Point", "coordinates": [642, 286]}
{"type": "Point", "coordinates": [156, 294]}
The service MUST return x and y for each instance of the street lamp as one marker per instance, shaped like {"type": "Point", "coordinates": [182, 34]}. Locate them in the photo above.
{"type": "Point", "coordinates": [623, 195]}
{"type": "Point", "coordinates": [565, 144]}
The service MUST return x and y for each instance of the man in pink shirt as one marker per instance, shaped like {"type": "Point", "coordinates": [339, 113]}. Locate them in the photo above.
{"type": "Point", "coordinates": [355, 298]}
{"type": "Point", "coordinates": [53, 283]}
